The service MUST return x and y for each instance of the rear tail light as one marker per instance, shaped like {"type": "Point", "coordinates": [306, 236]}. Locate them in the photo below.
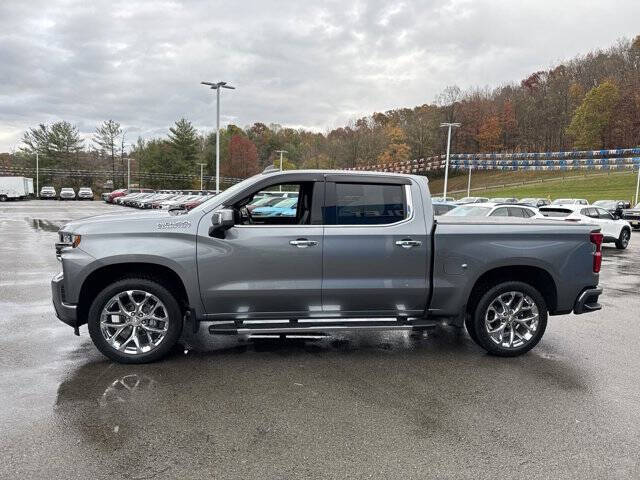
{"type": "Point", "coordinates": [596, 238]}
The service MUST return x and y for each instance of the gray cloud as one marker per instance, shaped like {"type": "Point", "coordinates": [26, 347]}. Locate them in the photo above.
{"type": "Point", "coordinates": [296, 63]}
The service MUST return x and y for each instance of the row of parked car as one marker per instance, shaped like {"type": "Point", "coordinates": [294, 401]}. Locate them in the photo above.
{"type": "Point", "coordinates": [158, 199]}
{"type": "Point", "coordinates": [615, 218]}
{"type": "Point", "coordinates": [66, 193]}
{"type": "Point", "coordinates": [265, 204]}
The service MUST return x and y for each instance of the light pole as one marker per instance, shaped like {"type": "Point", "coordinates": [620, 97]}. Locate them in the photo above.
{"type": "Point", "coordinates": [201, 167]}
{"type": "Point", "coordinates": [469, 182]}
{"type": "Point", "coordinates": [38, 176]}
{"type": "Point", "coordinates": [637, 185]}
{"type": "Point", "coordinates": [281, 152]}
{"type": "Point", "coordinates": [129, 173]}
{"type": "Point", "coordinates": [446, 168]}
{"type": "Point", "coordinates": [217, 86]}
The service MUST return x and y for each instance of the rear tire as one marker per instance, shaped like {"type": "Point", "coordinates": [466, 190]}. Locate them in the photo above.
{"type": "Point", "coordinates": [510, 319]}
{"type": "Point", "coordinates": [167, 307]}
{"type": "Point", "coordinates": [623, 240]}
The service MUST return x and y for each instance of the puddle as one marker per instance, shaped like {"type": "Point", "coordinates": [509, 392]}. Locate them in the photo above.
{"type": "Point", "coordinates": [44, 225]}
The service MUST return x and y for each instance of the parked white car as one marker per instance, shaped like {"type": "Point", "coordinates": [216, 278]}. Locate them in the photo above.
{"type": "Point", "coordinates": [614, 231]}
{"type": "Point", "coordinates": [570, 201]}
{"type": "Point", "coordinates": [67, 194]}
{"type": "Point", "coordinates": [465, 200]}
{"type": "Point", "coordinates": [493, 210]}
{"type": "Point", "coordinates": [85, 193]}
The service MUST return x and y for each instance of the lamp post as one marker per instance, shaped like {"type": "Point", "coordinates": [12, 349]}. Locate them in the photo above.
{"type": "Point", "coordinates": [637, 186]}
{"type": "Point", "coordinates": [129, 173]}
{"type": "Point", "coordinates": [201, 167]}
{"type": "Point", "coordinates": [469, 182]}
{"type": "Point", "coordinates": [217, 86]}
{"type": "Point", "coordinates": [38, 176]}
{"type": "Point", "coordinates": [281, 152]}
{"type": "Point", "coordinates": [446, 168]}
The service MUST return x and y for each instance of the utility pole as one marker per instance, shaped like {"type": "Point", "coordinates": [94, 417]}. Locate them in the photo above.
{"type": "Point", "coordinates": [446, 168]}
{"type": "Point", "coordinates": [201, 167]}
{"type": "Point", "coordinates": [469, 182]}
{"type": "Point", "coordinates": [281, 152]}
{"type": "Point", "coordinates": [217, 86]}
{"type": "Point", "coordinates": [38, 176]}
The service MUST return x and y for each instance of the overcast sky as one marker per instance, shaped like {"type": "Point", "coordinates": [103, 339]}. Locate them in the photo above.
{"type": "Point", "coordinates": [298, 63]}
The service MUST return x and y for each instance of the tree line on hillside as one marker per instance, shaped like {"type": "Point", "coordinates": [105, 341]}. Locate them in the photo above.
{"type": "Point", "coordinates": [589, 102]}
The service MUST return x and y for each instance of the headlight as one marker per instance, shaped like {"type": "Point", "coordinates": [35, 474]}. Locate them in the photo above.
{"type": "Point", "coordinates": [70, 239]}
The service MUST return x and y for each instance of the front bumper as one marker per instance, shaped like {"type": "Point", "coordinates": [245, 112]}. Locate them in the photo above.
{"type": "Point", "coordinates": [65, 312]}
{"type": "Point", "coordinates": [587, 301]}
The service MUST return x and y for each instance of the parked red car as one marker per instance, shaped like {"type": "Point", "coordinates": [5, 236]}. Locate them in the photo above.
{"type": "Point", "coordinates": [125, 191]}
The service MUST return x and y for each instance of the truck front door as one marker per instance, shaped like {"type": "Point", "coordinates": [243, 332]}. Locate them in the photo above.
{"type": "Point", "coordinates": [269, 265]}
{"type": "Point", "coordinates": [376, 247]}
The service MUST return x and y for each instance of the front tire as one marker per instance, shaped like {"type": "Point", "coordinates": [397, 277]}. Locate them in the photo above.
{"type": "Point", "coordinates": [510, 319]}
{"type": "Point", "coordinates": [623, 240]}
{"type": "Point", "coordinates": [135, 320]}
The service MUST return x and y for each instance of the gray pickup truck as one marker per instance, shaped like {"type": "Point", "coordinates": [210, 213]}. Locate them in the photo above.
{"type": "Point", "coordinates": [356, 251]}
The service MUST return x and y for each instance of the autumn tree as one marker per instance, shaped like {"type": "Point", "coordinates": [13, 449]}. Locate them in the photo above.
{"type": "Point", "coordinates": [592, 119]}
{"type": "Point", "coordinates": [397, 150]}
{"type": "Point", "coordinates": [243, 158]}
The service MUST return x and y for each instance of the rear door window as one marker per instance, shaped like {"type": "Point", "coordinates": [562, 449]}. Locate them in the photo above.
{"type": "Point", "coordinates": [366, 204]}
{"type": "Point", "coordinates": [500, 212]}
{"type": "Point", "coordinates": [517, 212]}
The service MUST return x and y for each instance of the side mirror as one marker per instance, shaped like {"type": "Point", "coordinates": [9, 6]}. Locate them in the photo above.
{"type": "Point", "coordinates": [221, 221]}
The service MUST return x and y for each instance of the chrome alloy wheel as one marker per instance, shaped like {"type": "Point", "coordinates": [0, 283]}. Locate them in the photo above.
{"type": "Point", "coordinates": [134, 322]}
{"type": "Point", "coordinates": [511, 320]}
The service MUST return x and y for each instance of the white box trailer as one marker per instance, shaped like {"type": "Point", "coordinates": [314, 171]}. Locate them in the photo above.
{"type": "Point", "coordinates": [15, 188]}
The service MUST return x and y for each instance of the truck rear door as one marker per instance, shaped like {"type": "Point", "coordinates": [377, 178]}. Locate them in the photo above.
{"type": "Point", "coordinates": [376, 247]}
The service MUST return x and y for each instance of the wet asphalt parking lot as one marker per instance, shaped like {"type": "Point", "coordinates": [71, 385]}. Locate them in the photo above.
{"type": "Point", "coordinates": [374, 405]}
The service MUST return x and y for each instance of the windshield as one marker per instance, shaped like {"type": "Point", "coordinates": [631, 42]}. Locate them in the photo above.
{"type": "Point", "coordinates": [559, 201]}
{"type": "Point", "coordinates": [289, 202]}
{"type": "Point", "coordinates": [229, 192]}
{"type": "Point", "coordinates": [469, 211]}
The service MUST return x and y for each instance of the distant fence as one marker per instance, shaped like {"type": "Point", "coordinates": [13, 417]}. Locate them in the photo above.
{"type": "Point", "coordinates": [615, 159]}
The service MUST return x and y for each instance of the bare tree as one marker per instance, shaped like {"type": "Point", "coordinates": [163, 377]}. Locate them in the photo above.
{"type": "Point", "coordinates": [106, 137]}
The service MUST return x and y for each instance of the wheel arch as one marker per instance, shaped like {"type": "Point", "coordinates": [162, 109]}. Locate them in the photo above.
{"type": "Point", "coordinates": [107, 274]}
{"type": "Point", "coordinates": [537, 277]}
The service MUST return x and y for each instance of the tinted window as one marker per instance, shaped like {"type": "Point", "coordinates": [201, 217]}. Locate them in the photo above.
{"type": "Point", "coordinates": [604, 214]}
{"type": "Point", "coordinates": [517, 212]}
{"type": "Point", "coordinates": [367, 204]}
{"type": "Point", "coordinates": [500, 212]}
{"type": "Point", "coordinates": [555, 212]}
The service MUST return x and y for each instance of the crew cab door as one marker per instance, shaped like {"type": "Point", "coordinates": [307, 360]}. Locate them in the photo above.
{"type": "Point", "coordinates": [266, 266]}
{"type": "Point", "coordinates": [376, 247]}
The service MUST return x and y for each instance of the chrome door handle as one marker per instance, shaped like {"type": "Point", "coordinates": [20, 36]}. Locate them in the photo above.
{"type": "Point", "coordinates": [303, 243]}
{"type": "Point", "coordinates": [408, 243]}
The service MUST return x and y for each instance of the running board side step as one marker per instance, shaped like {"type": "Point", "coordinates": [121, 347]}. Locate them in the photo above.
{"type": "Point", "coordinates": [288, 328]}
